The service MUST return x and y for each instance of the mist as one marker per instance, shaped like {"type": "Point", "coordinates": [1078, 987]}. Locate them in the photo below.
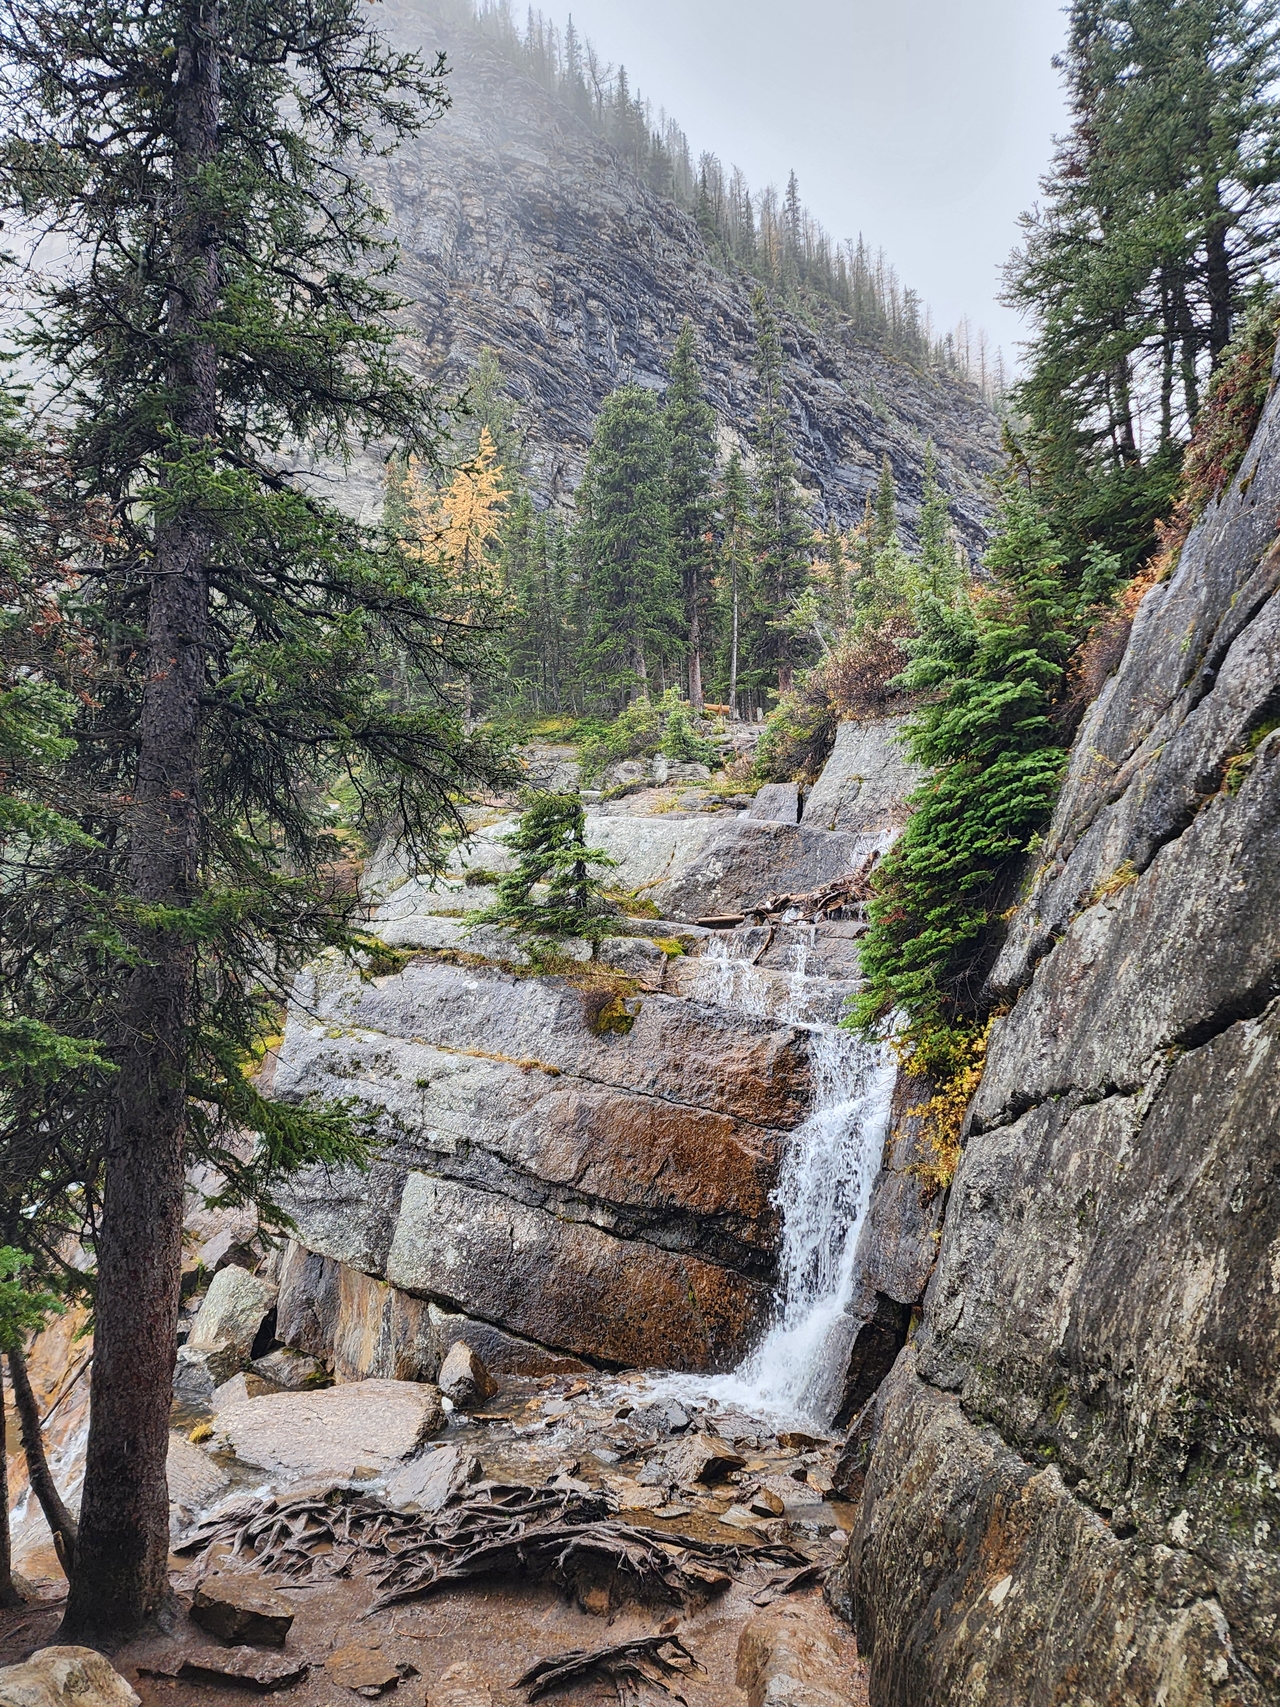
{"type": "Point", "coordinates": [924, 124]}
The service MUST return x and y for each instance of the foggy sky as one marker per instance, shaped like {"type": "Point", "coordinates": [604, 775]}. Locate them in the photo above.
{"type": "Point", "coordinates": [925, 124]}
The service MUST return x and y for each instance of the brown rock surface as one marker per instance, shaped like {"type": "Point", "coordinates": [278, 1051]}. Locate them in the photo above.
{"type": "Point", "coordinates": [242, 1609]}
{"type": "Point", "coordinates": [702, 1458]}
{"type": "Point", "coordinates": [568, 1284]}
{"type": "Point", "coordinates": [366, 1670]}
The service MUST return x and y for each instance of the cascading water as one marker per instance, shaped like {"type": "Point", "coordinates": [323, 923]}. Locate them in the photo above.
{"type": "Point", "coordinates": [822, 1198]}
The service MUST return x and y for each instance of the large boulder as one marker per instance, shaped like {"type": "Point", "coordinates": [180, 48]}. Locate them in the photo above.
{"type": "Point", "coordinates": [567, 1284]}
{"type": "Point", "coordinates": [234, 1309]}
{"type": "Point", "coordinates": [865, 781]}
{"type": "Point", "coordinates": [65, 1677]}
{"type": "Point", "coordinates": [334, 1434]}
{"type": "Point", "coordinates": [746, 860]}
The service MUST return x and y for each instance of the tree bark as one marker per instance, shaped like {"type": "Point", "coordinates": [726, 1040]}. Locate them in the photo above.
{"type": "Point", "coordinates": [62, 1526]}
{"type": "Point", "coordinates": [1218, 282]}
{"type": "Point", "coordinates": [9, 1595]}
{"type": "Point", "coordinates": [121, 1574]}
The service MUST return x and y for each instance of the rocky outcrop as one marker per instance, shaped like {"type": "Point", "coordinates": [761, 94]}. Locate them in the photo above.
{"type": "Point", "coordinates": [568, 1191]}
{"type": "Point", "coordinates": [1071, 1490]}
{"type": "Point", "coordinates": [522, 231]}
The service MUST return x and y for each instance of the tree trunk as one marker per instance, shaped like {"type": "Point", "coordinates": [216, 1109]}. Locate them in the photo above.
{"type": "Point", "coordinates": [733, 652]}
{"type": "Point", "coordinates": [1218, 281]}
{"type": "Point", "coordinates": [62, 1526]}
{"type": "Point", "coordinates": [121, 1561]}
{"type": "Point", "coordinates": [9, 1595]}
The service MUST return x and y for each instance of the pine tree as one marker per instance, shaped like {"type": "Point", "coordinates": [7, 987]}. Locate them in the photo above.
{"type": "Point", "coordinates": [1158, 222]}
{"type": "Point", "coordinates": [734, 574]}
{"type": "Point", "coordinates": [690, 498]}
{"type": "Point", "coordinates": [989, 673]}
{"type": "Point", "coordinates": [631, 600]}
{"type": "Point", "coordinates": [554, 859]}
{"type": "Point", "coordinates": [884, 510]}
{"type": "Point", "coordinates": [780, 537]}
{"type": "Point", "coordinates": [939, 563]}
{"type": "Point", "coordinates": [229, 301]}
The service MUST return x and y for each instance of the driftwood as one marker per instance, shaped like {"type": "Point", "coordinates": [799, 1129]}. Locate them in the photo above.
{"type": "Point", "coordinates": [651, 1659]}
{"type": "Point", "coordinates": [550, 1534]}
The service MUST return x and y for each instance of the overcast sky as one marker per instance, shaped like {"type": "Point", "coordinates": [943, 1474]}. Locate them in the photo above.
{"type": "Point", "coordinates": [925, 124]}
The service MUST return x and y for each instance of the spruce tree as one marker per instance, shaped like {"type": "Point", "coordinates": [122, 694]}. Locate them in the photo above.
{"type": "Point", "coordinates": [735, 576]}
{"type": "Point", "coordinates": [989, 673]}
{"type": "Point", "coordinates": [554, 860]}
{"type": "Point", "coordinates": [780, 537]}
{"type": "Point", "coordinates": [630, 596]}
{"type": "Point", "coordinates": [227, 301]}
{"type": "Point", "coordinates": [938, 556]}
{"type": "Point", "coordinates": [691, 441]}
{"type": "Point", "coordinates": [884, 509]}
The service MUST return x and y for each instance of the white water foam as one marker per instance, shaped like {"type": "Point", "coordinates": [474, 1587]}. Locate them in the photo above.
{"type": "Point", "coordinates": [823, 1196]}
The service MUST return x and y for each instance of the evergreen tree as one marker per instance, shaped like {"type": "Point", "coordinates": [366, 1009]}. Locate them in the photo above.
{"type": "Point", "coordinates": [554, 860]}
{"type": "Point", "coordinates": [631, 600]}
{"type": "Point", "coordinates": [691, 440]}
{"type": "Point", "coordinates": [990, 672]}
{"type": "Point", "coordinates": [884, 510]}
{"type": "Point", "coordinates": [939, 566]}
{"type": "Point", "coordinates": [541, 644]}
{"type": "Point", "coordinates": [1159, 219]}
{"type": "Point", "coordinates": [228, 301]}
{"type": "Point", "coordinates": [780, 537]}
{"type": "Point", "coordinates": [735, 576]}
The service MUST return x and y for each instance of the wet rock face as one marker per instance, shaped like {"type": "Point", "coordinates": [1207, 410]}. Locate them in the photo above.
{"type": "Point", "coordinates": [1071, 1488]}
{"type": "Point", "coordinates": [520, 230]}
{"type": "Point", "coordinates": [607, 1197]}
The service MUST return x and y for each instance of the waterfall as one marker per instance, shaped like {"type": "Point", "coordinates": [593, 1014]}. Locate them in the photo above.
{"type": "Point", "coordinates": [822, 1197]}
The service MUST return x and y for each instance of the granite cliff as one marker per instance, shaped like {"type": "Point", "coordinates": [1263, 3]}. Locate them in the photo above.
{"type": "Point", "coordinates": [1071, 1475]}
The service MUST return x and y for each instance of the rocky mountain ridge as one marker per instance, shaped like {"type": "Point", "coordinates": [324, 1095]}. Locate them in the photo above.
{"type": "Point", "coordinates": [520, 230]}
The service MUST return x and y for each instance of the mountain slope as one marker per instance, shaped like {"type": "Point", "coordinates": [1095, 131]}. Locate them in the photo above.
{"type": "Point", "coordinates": [521, 230]}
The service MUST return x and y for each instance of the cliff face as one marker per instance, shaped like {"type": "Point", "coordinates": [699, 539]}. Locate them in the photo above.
{"type": "Point", "coordinates": [599, 1194]}
{"type": "Point", "coordinates": [521, 230]}
{"type": "Point", "coordinates": [1072, 1488]}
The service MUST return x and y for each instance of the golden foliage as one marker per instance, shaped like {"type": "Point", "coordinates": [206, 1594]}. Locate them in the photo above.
{"type": "Point", "coordinates": [954, 1058]}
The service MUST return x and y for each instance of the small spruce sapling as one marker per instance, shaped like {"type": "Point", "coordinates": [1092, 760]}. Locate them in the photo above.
{"type": "Point", "coordinates": [553, 858]}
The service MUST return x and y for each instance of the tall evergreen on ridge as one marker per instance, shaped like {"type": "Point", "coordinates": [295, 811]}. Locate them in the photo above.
{"type": "Point", "coordinates": [691, 444]}
{"type": "Point", "coordinates": [780, 535]}
{"type": "Point", "coordinates": [228, 300]}
{"type": "Point", "coordinates": [631, 599]}
{"type": "Point", "coordinates": [1160, 218]}
{"type": "Point", "coordinates": [884, 508]}
{"type": "Point", "coordinates": [938, 554]}
{"type": "Point", "coordinates": [541, 638]}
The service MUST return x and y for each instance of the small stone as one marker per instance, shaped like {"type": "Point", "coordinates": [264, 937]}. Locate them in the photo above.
{"type": "Point", "coordinates": [290, 1370]}
{"type": "Point", "coordinates": [738, 1517]}
{"type": "Point", "coordinates": [241, 1609]}
{"type": "Point", "coordinates": [463, 1685]}
{"type": "Point", "coordinates": [765, 1503]}
{"type": "Point", "coordinates": [431, 1480]}
{"type": "Point", "coordinates": [65, 1677]}
{"type": "Point", "coordinates": [245, 1385]}
{"type": "Point", "coordinates": [703, 1458]}
{"type": "Point", "coordinates": [464, 1378]}
{"type": "Point", "coordinates": [673, 1509]}
{"type": "Point", "coordinates": [361, 1668]}
{"type": "Point", "coordinates": [792, 1440]}
{"type": "Point", "coordinates": [207, 1664]}
{"type": "Point", "coordinates": [819, 1481]}
{"type": "Point", "coordinates": [676, 1418]}
{"type": "Point", "coordinates": [199, 1371]}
